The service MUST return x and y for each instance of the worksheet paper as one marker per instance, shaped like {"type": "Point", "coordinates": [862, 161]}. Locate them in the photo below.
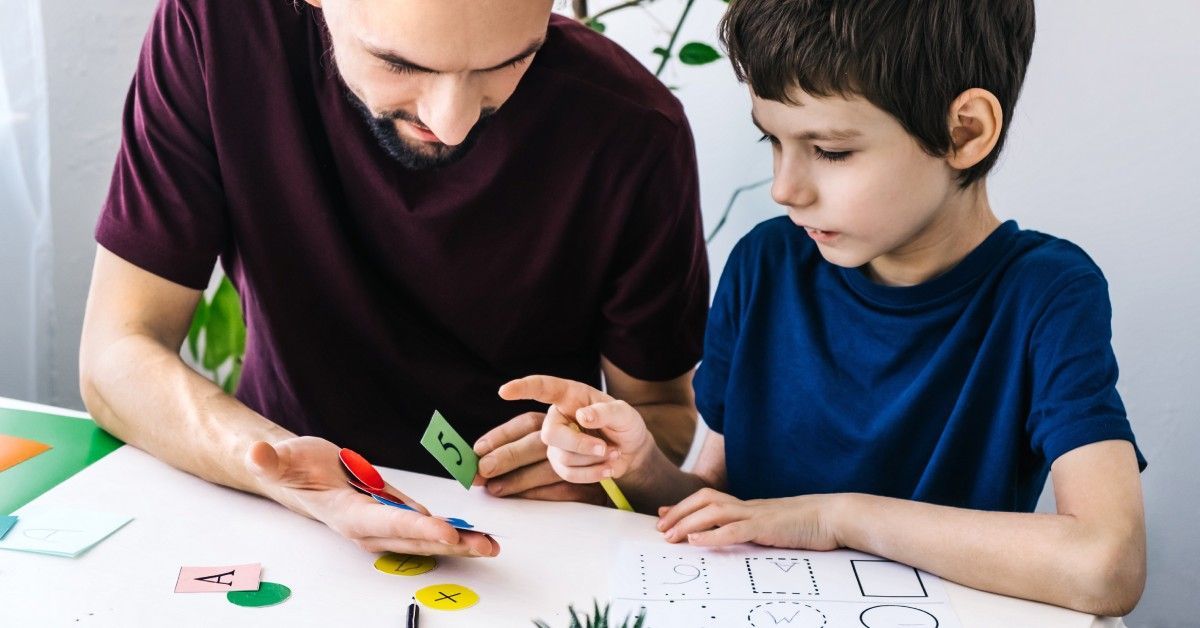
{"type": "Point", "coordinates": [744, 585]}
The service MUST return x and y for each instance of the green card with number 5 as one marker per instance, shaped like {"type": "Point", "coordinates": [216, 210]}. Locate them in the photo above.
{"type": "Point", "coordinates": [451, 450]}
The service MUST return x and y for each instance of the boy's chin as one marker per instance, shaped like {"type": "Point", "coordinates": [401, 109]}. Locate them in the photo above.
{"type": "Point", "coordinates": [842, 257]}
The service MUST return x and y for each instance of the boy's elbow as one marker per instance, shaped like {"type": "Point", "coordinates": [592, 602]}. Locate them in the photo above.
{"type": "Point", "coordinates": [1115, 578]}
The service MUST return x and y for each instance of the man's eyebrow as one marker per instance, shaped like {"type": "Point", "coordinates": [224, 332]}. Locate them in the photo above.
{"type": "Point", "coordinates": [822, 135]}
{"type": "Point", "coordinates": [396, 59]}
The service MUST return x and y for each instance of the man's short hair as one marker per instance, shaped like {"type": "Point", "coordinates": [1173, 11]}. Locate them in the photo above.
{"type": "Point", "coordinates": [910, 58]}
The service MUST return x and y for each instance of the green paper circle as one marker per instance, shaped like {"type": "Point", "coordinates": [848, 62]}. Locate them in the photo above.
{"type": "Point", "coordinates": [268, 594]}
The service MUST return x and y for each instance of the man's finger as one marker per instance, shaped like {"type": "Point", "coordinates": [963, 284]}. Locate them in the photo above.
{"type": "Point", "coordinates": [523, 479]}
{"type": "Point", "coordinates": [472, 544]}
{"type": "Point", "coordinates": [509, 431]}
{"type": "Point", "coordinates": [372, 519]}
{"type": "Point", "coordinates": [567, 395]}
{"type": "Point", "coordinates": [407, 500]}
{"type": "Point", "coordinates": [527, 450]}
{"type": "Point", "coordinates": [567, 492]}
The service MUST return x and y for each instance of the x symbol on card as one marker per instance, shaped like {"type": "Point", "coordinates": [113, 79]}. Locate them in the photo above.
{"type": "Point", "coordinates": [448, 597]}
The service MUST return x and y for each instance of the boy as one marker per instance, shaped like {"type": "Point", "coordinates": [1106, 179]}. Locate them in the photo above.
{"type": "Point", "coordinates": [890, 368]}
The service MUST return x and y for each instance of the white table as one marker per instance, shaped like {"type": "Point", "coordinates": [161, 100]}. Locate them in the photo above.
{"type": "Point", "coordinates": [553, 554]}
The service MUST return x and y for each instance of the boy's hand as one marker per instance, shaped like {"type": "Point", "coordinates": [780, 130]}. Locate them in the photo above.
{"type": "Point", "coordinates": [709, 518]}
{"type": "Point", "coordinates": [579, 457]}
{"type": "Point", "coordinates": [304, 473]}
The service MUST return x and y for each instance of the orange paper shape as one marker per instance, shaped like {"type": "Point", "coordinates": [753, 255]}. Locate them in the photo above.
{"type": "Point", "coordinates": [14, 451]}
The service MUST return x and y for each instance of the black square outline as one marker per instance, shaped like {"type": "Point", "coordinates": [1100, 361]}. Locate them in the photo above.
{"type": "Point", "coordinates": [854, 568]}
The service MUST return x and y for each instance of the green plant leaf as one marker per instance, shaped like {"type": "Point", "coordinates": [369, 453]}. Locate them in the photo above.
{"type": "Point", "coordinates": [597, 26]}
{"type": "Point", "coordinates": [235, 375]}
{"type": "Point", "coordinates": [698, 53]}
{"type": "Point", "coordinates": [225, 332]}
{"type": "Point", "coordinates": [199, 318]}
{"type": "Point", "coordinates": [662, 52]}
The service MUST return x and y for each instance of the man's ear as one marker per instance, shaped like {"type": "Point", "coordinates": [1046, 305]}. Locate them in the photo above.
{"type": "Point", "coordinates": [976, 119]}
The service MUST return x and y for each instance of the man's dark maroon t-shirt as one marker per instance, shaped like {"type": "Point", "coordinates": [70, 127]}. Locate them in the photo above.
{"type": "Point", "coordinates": [375, 294]}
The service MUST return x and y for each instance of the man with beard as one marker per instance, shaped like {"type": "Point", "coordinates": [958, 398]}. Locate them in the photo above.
{"type": "Point", "coordinates": [417, 200]}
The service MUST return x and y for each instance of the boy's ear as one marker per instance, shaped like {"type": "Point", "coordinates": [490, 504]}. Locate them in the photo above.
{"type": "Point", "coordinates": [976, 119]}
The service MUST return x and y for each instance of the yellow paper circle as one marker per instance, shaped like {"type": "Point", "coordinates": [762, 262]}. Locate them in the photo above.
{"type": "Point", "coordinates": [405, 564]}
{"type": "Point", "coordinates": [447, 597]}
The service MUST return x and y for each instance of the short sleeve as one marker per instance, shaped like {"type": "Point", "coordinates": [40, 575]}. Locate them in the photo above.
{"type": "Point", "coordinates": [657, 305]}
{"type": "Point", "coordinates": [165, 210]}
{"type": "Point", "coordinates": [1075, 400]}
{"type": "Point", "coordinates": [720, 337]}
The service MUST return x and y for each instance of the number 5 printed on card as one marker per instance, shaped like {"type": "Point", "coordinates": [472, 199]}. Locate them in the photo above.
{"type": "Point", "coordinates": [450, 449]}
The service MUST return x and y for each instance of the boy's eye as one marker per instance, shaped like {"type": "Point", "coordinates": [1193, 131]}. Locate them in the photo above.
{"type": "Point", "coordinates": [831, 155]}
{"type": "Point", "coordinates": [768, 138]}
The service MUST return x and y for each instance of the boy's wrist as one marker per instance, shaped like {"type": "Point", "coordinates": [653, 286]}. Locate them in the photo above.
{"type": "Point", "coordinates": [645, 465]}
{"type": "Point", "coordinates": [845, 514]}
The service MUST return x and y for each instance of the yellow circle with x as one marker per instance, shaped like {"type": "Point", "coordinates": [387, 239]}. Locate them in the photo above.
{"type": "Point", "coordinates": [447, 597]}
{"type": "Point", "coordinates": [405, 564]}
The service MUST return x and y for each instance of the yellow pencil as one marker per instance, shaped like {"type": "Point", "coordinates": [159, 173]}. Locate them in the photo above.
{"type": "Point", "coordinates": [615, 494]}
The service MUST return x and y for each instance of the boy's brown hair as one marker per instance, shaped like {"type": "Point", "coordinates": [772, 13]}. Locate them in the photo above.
{"type": "Point", "coordinates": [910, 58]}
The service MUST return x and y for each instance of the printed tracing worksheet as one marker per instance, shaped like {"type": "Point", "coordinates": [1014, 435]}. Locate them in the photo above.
{"type": "Point", "coordinates": [686, 587]}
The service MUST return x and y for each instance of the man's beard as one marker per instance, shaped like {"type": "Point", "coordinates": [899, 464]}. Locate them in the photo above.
{"type": "Point", "coordinates": [415, 154]}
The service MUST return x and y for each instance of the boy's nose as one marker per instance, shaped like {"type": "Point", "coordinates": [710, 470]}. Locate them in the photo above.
{"type": "Point", "coordinates": [792, 189]}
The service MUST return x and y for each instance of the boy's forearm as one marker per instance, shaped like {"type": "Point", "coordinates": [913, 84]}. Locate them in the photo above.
{"type": "Point", "coordinates": [657, 481]}
{"type": "Point", "coordinates": [673, 426]}
{"type": "Point", "coordinates": [147, 396]}
{"type": "Point", "coordinates": [1050, 558]}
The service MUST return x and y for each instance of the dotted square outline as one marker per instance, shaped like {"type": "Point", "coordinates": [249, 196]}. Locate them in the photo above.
{"type": "Point", "coordinates": [816, 589]}
{"type": "Point", "coordinates": [703, 575]}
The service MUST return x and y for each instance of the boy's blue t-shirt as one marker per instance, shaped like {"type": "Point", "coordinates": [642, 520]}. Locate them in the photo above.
{"type": "Point", "coordinates": [959, 391]}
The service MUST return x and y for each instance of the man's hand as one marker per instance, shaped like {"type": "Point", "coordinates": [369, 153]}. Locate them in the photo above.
{"type": "Point", "coordinates": [513, 463]}
{"type": "Point", "coordinates": [305, 474]}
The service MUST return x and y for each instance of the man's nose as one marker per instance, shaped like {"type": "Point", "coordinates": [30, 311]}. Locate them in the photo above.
{"type": "Point", "coordinates": [451, 108]}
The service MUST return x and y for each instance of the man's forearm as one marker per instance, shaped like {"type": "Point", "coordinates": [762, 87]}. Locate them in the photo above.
{"type": "Point", "coordinates": [147, 396]}
{"type": "Point", "coordinates": [1046, 557]}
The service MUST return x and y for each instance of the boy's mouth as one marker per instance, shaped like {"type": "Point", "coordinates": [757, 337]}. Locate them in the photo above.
{"type": "Point", "coordinates": [820, 235]}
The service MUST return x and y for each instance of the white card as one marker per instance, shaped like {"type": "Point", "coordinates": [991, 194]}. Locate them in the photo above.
{"type": "Point", "coordinates": [61, 531]}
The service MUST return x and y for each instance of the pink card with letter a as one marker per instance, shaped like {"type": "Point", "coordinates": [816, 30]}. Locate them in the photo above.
{"type": "Point", "coordinates": [214, 579]}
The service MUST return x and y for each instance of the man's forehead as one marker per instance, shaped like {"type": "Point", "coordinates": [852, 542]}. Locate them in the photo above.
{"type": "Point", "coordinates": [444, 36]}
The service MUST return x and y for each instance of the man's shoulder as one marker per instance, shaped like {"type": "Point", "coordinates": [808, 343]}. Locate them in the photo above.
{"type": "Point", "coordinates": [214, 20]}
{"type": "Point", "coordinates": [603, 73]}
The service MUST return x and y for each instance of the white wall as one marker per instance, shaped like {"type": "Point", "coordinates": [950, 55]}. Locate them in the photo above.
{"type": "Point", "coordinates": [91, 52]}
{"type": "Point", "coordinates": [1102, 152]}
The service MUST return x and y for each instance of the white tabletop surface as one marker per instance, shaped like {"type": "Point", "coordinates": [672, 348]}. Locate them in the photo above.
{"type": "Point", "coordinates": [552, 554]}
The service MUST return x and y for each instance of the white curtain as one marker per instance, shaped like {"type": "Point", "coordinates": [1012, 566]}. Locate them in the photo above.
{"type": "Point", "coordinates": [26, 296]}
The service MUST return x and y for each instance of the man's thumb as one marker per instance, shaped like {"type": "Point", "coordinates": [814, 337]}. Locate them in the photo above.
{"type": "Point", "coordinates": [264, 462]}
